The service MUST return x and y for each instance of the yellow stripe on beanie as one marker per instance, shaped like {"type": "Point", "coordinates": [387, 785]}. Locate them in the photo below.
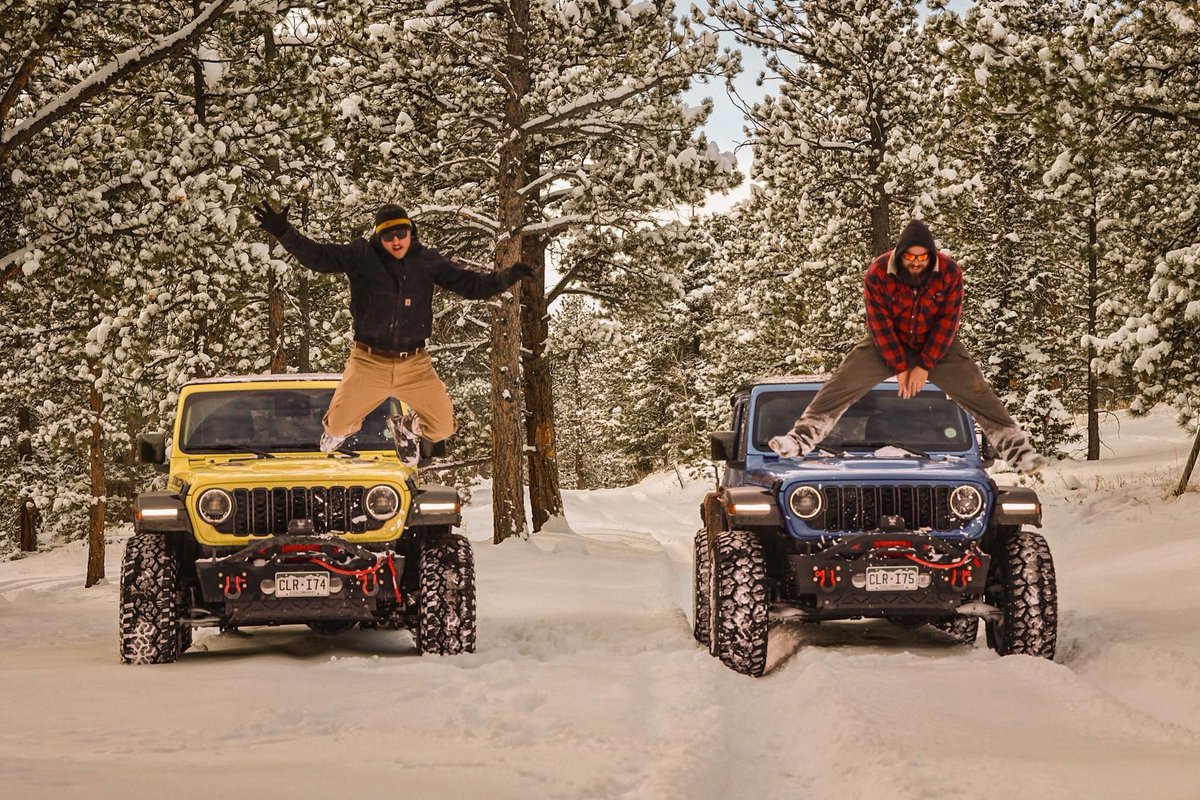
{"type": "Point", "coordinates": [391, 223]}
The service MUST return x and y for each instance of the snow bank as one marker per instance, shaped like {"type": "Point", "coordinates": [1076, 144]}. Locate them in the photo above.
{"type": "Point", "coordinates": [588, 684]}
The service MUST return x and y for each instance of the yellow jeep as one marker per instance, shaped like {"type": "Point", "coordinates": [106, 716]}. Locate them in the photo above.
{"type": "Point", "coordinates": [258, 527]}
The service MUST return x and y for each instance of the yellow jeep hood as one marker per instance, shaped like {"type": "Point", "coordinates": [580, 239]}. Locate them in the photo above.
{"type": "Point", "coordinates": [289, 472]}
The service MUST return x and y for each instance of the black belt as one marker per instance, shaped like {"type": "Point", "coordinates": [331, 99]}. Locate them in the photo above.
{"type": "Point", "coordinates": [379, 351]}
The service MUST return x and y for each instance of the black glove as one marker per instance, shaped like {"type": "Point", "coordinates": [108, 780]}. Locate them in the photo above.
{"type": "Point", "coordinates": [272, 221]}
{"type": "Point", "coordinates": [519, 272]}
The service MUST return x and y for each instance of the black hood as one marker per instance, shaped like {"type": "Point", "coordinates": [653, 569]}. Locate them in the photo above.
{"type": "Point", "coordinates": [915, 233]}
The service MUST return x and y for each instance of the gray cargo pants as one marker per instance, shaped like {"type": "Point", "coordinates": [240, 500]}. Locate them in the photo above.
{"type": "Point", "coordinates": [956, 374]}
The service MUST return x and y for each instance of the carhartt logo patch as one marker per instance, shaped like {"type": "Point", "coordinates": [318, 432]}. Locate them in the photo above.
{"type": "Point", "coordinates": [408, 301]}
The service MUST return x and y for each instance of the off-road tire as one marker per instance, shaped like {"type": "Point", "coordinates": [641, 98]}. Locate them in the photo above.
{"type": "Point", "coordinates": [701, 587]}
{"type": "Point", "coordinates": [151, 630]}
{"type": "Point", "coordinates": [446, 603]}
{"type": "Point", "coordinates": [740, 618]}
{"type": "Point", "coordinates": [962, 629]}
{"type": "Point", "coordinates": [1021, 584]}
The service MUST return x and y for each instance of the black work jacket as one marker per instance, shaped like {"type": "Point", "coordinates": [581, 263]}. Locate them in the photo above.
{"type": "Point", "coordinates": [391, 299]}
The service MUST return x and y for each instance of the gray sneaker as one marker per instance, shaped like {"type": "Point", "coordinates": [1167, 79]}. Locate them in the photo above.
{"type": "Point", "coordinates": [406, 437]}
{"type": "Point", "coordinates": [1030, 463]}
{"type": "Point", "coordinates": [330, 444]}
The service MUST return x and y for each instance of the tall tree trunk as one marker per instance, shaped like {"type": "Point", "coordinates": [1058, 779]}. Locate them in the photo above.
{"type": "Point", "coordinates": [304, 302]}
{"type": "Point", "coordinates": [508, 497]}
{"type": "Point", "coordinates": [1093, 386]}
{"type": "Point", "coordinates": [99, 487]}
{"type": "Point", "coordinates": [28, 516]}
{"type": "Point", "coordinates": [198, 77]}
{"type": "Point", "coordinates": [1191, 463]}
{"type": "Point", "coordinates": [545, 498]}
{"type": "Point", "coordinates": [881, 200]}
{"type": "Point", "coordinates": [275, 302]}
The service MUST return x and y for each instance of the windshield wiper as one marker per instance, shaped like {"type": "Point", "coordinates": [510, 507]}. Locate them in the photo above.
{"type": "Point", "coordinates": [877, 445]}
{"type": "Point", "coordinates": [237, 448]}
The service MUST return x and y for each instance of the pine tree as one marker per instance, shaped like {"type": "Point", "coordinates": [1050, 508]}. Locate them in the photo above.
{"type": "Point", "coordinates": [1058, 68]}
{"type": "Point", "coordinates": [580, 128]}
{"type": "Point", "coordinates": [845, 153]}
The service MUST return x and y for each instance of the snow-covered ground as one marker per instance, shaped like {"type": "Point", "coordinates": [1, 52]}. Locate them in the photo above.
{"type": "Point", "coordinates": [587, 683]}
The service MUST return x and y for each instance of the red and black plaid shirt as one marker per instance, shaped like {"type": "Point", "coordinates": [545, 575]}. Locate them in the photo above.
{"type": "Point", "coordinates": [904, 320]}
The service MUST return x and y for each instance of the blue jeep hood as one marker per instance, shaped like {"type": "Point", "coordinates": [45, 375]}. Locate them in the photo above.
{"type": "Point", "coordinates": [864, 467]}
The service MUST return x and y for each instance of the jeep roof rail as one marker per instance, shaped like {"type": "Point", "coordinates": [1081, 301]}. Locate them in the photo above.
{"type": "Point", "coordinates": [268, 378]}
{"type": "Point", "coordinates": [752, 382]}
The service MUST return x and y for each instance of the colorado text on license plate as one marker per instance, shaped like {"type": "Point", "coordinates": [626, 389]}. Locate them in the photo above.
{"type": "Point", "coordinates": [892, 579]}
{"type": "Point", "coordinates": [302, 584]}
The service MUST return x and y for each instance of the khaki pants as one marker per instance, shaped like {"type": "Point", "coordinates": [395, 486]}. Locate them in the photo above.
{"type": "Point", "coordinates": [956, 374]}
{"type": "Point", "coordinates": [370, 379]}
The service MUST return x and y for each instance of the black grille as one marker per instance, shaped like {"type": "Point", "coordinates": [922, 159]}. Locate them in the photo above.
{"type": "Point", "coordinates": [858, 508]}
{"type": "Point", "coordinates": [265, 512]}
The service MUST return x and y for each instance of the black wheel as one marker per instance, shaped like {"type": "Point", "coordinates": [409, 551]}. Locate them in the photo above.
{"type": "Point", "coordinates": [1021, 584]}
{"type": "Point", "coordinates": [740, 602]}
{"type": "Point", "coordinates": [446, 605]}
{"type": "Point", "coordinates": [701, 583]}
{"type": "Point", "coordinates": [150, 628]}
{"type": "Point", "coordinates": [963, 630]}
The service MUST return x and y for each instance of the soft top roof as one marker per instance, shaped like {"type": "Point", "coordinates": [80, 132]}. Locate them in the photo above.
{"type": "Point", "coordinates": [269, 378]}
{"type": "Point", "coordinates": [784, 379]}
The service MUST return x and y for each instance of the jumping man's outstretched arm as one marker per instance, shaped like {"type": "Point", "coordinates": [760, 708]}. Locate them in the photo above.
{"type": "Point", "coordinates": [476, 285]}
{"type": "Point", "coordinates": [317, 256]}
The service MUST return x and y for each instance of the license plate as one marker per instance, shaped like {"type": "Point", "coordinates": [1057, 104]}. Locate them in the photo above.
{"type": "Point", "coordinates": [892, 579]}
{"type": "Point", "coordinates": [302, 584]}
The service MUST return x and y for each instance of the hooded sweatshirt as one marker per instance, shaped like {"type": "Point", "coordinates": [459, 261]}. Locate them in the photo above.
{"type": "Point", "coordinates": [913, 322]}
{"type": "Point", "coordinates": [391, 300]}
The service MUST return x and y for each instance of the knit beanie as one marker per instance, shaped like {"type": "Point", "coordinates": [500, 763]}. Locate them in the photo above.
{"type": "Point", "coordinates": [390, 215]}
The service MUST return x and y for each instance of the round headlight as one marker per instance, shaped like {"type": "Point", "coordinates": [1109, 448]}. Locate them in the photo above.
{"type": "Point", "coordinates": [806, 502]}
{"type": "Point", "coordinates": [382, 502]}
{"type": "Point", "coordinates": [965, 502]}
{"type": "Point", "coordinates": [215, 506]}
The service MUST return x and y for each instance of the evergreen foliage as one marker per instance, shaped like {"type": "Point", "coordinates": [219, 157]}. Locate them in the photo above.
{"type": "Point", "coordinates": [1051, 146]}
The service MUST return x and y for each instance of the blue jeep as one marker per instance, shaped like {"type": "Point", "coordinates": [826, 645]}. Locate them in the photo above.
{"type": "Point", "coordinates": [892, 516]}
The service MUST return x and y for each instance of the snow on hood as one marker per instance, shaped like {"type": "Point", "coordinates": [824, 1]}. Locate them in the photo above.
{"type": "Point", "coordinates": [881, 464]}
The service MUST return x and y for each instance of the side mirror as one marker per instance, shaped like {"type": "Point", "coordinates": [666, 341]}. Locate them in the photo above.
{"type": "Point", "coordinates": [433, 449]}
{"type": "Point", "coordinates": [152, 448]}
{"type": "Point", "coordinates": [988, 451]}
{"type": "Point", "coordinates": [723, 443]}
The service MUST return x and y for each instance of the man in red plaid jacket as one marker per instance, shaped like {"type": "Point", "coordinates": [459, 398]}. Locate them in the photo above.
{"type": "Point", "coordinates": [913, 296]}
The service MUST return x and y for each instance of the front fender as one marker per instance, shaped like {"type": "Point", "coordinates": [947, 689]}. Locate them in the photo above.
{"type": "Point", "coordinates": [1018, 505]}
{"type": "Point", "coordinates": [435, 505]}
{"type": "Point", "coordinates": [751, 506]}
{"type": "Point", "coordinates": [160, 512]}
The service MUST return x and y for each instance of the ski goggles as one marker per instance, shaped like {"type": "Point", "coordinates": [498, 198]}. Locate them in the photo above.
{"type": "Point", "coordinates": [399, 232]}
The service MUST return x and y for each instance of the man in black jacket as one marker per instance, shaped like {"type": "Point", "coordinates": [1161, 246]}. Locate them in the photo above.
{"type": "Point", "coordinates": [392, 277]}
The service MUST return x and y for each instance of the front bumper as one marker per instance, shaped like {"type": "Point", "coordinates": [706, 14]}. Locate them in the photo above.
{"type": "Point", "coordinates": [833, 584]}
{"type": "Point", "coordinates": [363, 585]}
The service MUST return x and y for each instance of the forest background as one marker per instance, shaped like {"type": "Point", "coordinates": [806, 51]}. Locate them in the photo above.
{"type": "Point", "coordinates": [1052, 145]}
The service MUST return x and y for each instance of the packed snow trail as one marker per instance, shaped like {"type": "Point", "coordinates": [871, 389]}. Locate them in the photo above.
{"type": "Point", "coordinates": [587, 683]}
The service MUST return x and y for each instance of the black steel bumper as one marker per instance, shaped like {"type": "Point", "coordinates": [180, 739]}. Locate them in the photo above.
{"type": "Point", "coordinates": [363, 585]}
{"type": "Point", "coordinates": [834, 583]}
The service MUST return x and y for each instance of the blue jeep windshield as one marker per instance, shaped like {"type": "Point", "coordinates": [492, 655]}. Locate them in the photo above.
{"type": "Point", "coordinates": [928, 422]}
{"type": "Point", "coordinates": [273, 420]}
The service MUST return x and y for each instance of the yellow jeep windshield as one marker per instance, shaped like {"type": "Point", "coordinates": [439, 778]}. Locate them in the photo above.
{"type": "Point", "coordinates": [271, 420]}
